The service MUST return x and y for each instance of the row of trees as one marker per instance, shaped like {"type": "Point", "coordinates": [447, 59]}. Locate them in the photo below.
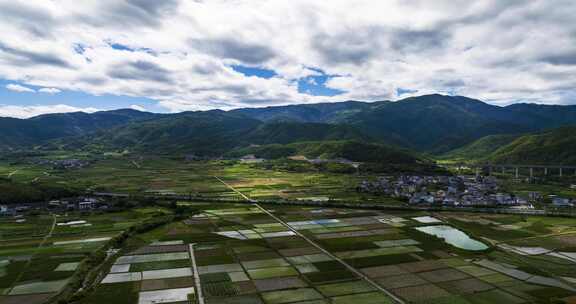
{"type": "Point", "coordinates": [19, 193]}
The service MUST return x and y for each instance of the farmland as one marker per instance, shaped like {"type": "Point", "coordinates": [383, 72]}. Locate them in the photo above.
{"type": "Point", "coordinates": [241, 253]}
{"type": "Point", "coordinates": [164, 175]}
{"type": "Point", "coordinates": [40, 253]}
{"type": "Point", "coordinates": [218, 252]}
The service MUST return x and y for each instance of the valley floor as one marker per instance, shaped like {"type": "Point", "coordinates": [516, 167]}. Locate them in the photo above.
{"type": "Point", "coordinates": [245, 254]}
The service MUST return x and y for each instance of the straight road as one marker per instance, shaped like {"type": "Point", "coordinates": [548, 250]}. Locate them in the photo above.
{"type": "Point", "coordinates": [326, 252]}
{"type": "Point", "coordinates": [199, 294]}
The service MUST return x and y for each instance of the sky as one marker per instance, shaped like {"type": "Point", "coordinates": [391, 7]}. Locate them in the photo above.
{"type": "Point", "coordinates": [181, 55]}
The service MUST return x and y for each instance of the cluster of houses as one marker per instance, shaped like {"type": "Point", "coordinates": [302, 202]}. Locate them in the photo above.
{"type": "Point", "coordinates": [64, 164]}
{"type": "Point", "coordinates": [68, 204]}
{"type": "Point", "coordinates": [562, 201]}
{"type": "Point", "coordinates": [251, 159]}
{"type": "Point", "coordinates": [481, 191]}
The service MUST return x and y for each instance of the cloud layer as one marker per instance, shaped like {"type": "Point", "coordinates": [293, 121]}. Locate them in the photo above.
{"type": "Point", "coordinates": [31, 111]}
{"type": "Point", "coordinates": [181, 53]}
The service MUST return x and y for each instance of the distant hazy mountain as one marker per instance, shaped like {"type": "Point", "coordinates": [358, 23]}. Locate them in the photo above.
{"type": "Point", "coordinates": [15, 133]}
{"type": "Point", "coordinates": [321, 112]}
{"type": "Point", "coordinates": [545, 116]}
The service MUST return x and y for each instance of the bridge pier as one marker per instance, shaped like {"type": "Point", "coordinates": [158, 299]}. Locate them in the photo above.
{"type": "Point", "coordinates": [531, 172]}
{"type": "Point", "coordinates": [545, 171]}
{"type": "Point", "coordinates": [560, 171]}
{"type": "Point", "coordinates": [517, 172]}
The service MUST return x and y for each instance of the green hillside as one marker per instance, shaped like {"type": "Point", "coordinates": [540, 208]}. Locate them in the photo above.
{"type": "Point", "coordinates": [480, 149]}
{"type": "Point", "coordinates": [211, 133]}
{"type": "Point", "coordinates": [550, 147]}
{"type": "Point", "coordinates": [289, 132]}
{"type": "Point", "coordinates": [16, 134]}
{"type": "Point", "coordinates": [437, 123]}
{"type": "Point", "coordinates": [430, 123]}
{"type": "Point", "coordinates": [202, 133]}
{"type": "Point", "coordinates": [350, 149]}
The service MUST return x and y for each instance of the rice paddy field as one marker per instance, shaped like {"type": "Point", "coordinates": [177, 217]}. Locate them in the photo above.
{"type": "Point", "coordinates": [237, 253]}
{"type": "Point", "coordinates": [39, 254]}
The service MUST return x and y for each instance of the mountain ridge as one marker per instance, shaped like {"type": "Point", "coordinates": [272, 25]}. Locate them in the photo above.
{"type": "Point", "coordinates": [429, 123]}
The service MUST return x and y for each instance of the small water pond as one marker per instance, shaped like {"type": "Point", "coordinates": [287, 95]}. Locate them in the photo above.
{"type": "Point", "coordinates": [453, 237]}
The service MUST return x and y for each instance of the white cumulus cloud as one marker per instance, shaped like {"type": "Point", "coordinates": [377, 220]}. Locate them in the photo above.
{"type": "Point", "coordinates": [181, 53]}
{"type": "Point", "coordinates": [50, 90]}
{"type": "Point", "coordinates": [35, 110]}
{"type": "Point", "coordinates": [138, 108]}
{"type": "Point", "coordinates": [19, 88]}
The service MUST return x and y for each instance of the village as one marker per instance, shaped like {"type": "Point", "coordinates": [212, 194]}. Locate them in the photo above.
{"type": "Point", "coordinates": [82, 204]}
{"type": "Point", "coordinates": [455, 191]}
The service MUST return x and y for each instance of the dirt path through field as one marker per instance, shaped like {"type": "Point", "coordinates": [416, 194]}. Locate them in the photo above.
{"type": "Point", "coordinates": [44, 240]}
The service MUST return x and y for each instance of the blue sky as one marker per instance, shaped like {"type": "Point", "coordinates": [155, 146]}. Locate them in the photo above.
{"type": "Point", "coordinates": [72, 98]}
{"type": "Point", "coordinates": [314, 85]}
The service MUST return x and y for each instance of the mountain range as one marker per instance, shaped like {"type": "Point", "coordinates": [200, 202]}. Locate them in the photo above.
{"type": "Point", "coordinates": [431, 124]}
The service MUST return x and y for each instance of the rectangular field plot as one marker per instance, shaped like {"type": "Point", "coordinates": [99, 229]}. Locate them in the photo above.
{"type": "Point", "coordinates": [377, 252]}
{"type": "Point", "coordinates": [38, 287]}
{"type": "Point", "coordinates": [289, 296]}
{"type": "Point", "coordinates": [395, 243]}
{"type": "Point", "coordinates": [159, 284]}
{"type": "Point", "coordinates": [156, 265]}
{"type": "Point", "coordinates": [166, 273]}
{"type": "Point", "coordinates": [67, 266]}
{"type": "Point", "coordinates": [400, 281]}
{"type": "Point", "coordinates": [120, 268]}
{"type": "Point", "coordinates": [467, 286]}
{"type": "Point", "coordinates": [159, 257]}
{"type": "Point", "coordinates": [421, 292]}
{"type": "Point", "coordinates": [165, 296]}
{"type": "Point", "coordinates": [220, 289]}
{"type": "Point", "coordinates": [265, 263]}
{"type": "Point", "coordinates": [160, 249]}
{"type": "Point", "coordinates": [239, 276]}
{"type": "Point", "coordinates": [122, 277]}
{"type": "Point", "coordinates": [307, 259]}
{"type": "Point", "coordinates": [167, 243]}
{"type": "Point", "coordinates": [274, 272]}
{"type": "Point", "coordinates": [82, 241]}
{"type": "Point", "coordinates": [443, 275]}
{"type": "Point", "coordinates": [279, 283]}
{"type": "Point", "coordinates": [363, 298]}
{"type": "Point", "coordinates": [220, 268]}
{"type": "Point", "coordinates": [338, 289]}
